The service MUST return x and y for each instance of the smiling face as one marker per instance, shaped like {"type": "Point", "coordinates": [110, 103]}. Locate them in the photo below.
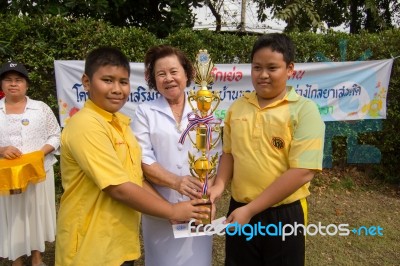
{"type": "Point", "coordinates": [269, 73]}
{"type": "Point", "coordinates": [170, 77]}
{"type": "Point", "coordinates": [14, 85]}
{"type": "Point", "coordinates": [109, 87]}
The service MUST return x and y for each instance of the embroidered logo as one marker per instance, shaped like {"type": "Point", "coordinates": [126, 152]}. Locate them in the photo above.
{"type": "Point", "coordinates": [278, 143]}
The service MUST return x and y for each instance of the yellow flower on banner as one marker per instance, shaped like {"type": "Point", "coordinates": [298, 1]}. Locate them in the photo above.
{"type": "Point", "coordinates": [375, 107]}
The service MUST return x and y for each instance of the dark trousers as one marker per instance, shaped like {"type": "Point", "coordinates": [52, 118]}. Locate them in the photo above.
{"type": "Point", "coordinates": [268, 250]}
{"type": "Point", "coordinates": [128, 263]}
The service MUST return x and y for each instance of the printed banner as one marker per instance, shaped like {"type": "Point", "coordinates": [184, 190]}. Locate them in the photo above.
{"type": "Point", "coordinates": [342, 90]}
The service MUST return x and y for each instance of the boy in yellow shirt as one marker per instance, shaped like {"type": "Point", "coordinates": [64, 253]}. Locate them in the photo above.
{"type": "Point", "coordinates": [99, 216]}
{"type": "Point", "coordinates": [273, 144]}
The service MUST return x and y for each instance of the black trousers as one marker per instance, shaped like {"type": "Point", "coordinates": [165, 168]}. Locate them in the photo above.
{"type": "Point", "coordinates": [267, 250]}
{"type": "Point", "coordinates": [128, 263]}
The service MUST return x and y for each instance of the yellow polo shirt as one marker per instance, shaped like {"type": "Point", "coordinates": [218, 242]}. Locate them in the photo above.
{"type": "Point", "coordinates": [98, 149]}
{"type": "Point", "coordinates": [266, 142]}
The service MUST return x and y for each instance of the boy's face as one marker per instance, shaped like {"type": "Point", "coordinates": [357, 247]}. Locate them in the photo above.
{"type": "Point", "coordinates": [269, 74]}
{"type": "Point", "coordinates": [109, 87]}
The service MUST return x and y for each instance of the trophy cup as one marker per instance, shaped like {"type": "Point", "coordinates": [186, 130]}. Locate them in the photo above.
{"type": "Point", "coordinates": [203, 123]}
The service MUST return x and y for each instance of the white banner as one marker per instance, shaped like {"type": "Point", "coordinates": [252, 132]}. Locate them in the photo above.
{"type": "Point", "coordinates": [342, 90]}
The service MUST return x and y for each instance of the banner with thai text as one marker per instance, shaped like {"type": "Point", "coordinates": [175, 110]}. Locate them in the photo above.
{"type": "Point", "coordinates": [342, 90]}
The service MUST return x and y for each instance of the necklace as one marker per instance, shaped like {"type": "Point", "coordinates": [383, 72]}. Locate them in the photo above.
{"type": "Point", "coordinates": [178, 120]}
{"type": "Point", "coordinates": [177, 114]}
{"type": "Point", "coordinates": [178, 127]}
{"type": "Point", "coordinates": [15, 107]}
{"type": "Point", "coordinates": [177, 111]}
{"type": "Point", "coordinates": [15, 102]}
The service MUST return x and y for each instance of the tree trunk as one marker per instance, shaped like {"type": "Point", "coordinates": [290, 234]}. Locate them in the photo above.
{"type": "Point", "coordinates": [242, 26]}
{"type": "Point", "coordinates": [217, 16]}
{"type": "Point", "coordinates": [355, 26]}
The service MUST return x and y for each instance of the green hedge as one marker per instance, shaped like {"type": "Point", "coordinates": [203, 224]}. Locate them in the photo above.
{"type": "Point", "coordinates": [37, 42]}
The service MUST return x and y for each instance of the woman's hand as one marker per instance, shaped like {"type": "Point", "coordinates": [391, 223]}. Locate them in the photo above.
{"type": "Point", "coordinates": [10, 152]}
{"type": "Point", "coordinates": [189, 186]}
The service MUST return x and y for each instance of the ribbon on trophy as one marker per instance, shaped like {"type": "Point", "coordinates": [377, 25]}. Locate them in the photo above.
{"type": "Point", "coordinates": [195, 120]}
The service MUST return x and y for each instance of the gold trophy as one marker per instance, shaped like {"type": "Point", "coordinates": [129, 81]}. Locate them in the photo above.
{"type": "Point", "coordinates": [202, 121]}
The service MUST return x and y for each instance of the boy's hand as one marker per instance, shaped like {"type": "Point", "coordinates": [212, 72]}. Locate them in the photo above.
{"type": "Point", "coordinates": [213, 211]}
{"type": "Point", "coordinates": [186, 210]}
{"type": "Point", "coordinates": [241, 215]}
{"type": "Point", "coordinates": [215, 192]}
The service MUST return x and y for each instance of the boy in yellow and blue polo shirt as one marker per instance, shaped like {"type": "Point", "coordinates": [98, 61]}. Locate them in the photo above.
{"type": "Point", "coordinates": [98, 220]}
{"type": "Point", "coordinates": [273, 144]}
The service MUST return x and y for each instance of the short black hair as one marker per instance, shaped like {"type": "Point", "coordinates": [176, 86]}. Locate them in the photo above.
{"type": "Point", "coordinates": [279, 42]}
{"type": "Point", "coordinates": [103, 56]}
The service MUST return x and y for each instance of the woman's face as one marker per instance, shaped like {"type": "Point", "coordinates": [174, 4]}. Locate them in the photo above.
{"type": "Point", "coordinates": [14, 85]}
{"type": "Point", "coordinates": [170, 77]}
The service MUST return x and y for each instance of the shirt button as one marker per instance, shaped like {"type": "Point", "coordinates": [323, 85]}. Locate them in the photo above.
{"type": "Point", "coordinates": [180, 147]}
{"type": "Point", "coordinates": [179, 166]}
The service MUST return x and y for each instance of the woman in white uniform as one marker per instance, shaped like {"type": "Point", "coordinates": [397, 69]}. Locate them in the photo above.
{"type": "Point", "coordinates": [158, 126]}
{"type": "Point", "coordinates": [27, 219]}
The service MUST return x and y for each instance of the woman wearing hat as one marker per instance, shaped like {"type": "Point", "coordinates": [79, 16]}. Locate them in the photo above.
{"type": "Point", "coordinates": [29, 137]}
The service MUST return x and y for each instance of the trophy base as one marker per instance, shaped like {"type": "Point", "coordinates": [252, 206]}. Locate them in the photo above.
{"type": "Point", "coordinates": [205, 221]}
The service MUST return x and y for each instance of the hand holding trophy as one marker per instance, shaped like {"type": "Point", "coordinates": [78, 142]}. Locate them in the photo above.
{"type": "Point", "coordinates": [203, 123]}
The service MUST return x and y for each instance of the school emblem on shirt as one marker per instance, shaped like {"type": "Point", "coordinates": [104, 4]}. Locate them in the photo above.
{"type": "Point", "coordinates": [278, 143]}
{"type": "Point", "coordinates": [25, 121]}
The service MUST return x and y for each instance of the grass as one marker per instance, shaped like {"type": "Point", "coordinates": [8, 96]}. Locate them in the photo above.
{"type": "Point", "coordinates": [351, 198]}
{"type": "Point", "coordinates": [337, 196]}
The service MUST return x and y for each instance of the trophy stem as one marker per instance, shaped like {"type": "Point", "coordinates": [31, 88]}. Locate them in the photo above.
{"type": "Point", "coordinates": [207, 203]}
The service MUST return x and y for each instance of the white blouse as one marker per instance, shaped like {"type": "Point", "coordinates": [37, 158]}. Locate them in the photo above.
{"type": "Point", "coordinates": [31, 130]}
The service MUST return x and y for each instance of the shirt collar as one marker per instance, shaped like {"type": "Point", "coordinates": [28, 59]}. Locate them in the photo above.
{"type": "Point", "coordinates": [161, 104]}
{"type": "Point", "coordinates": [107, 115]}
{"type": "Point", "coordinates": [291, 96]}
{"type": "Point", "coordinates": [30, 104]}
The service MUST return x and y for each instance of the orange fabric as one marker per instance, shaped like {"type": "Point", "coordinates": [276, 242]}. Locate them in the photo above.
{"type": "Point", "coordinates": [15, 175]}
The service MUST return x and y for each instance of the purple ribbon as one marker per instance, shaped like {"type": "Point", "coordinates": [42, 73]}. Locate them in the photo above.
{"type": "Point", "coordinates": [194, 120]}
{"type": "Point", "coordinates": [205, 186]}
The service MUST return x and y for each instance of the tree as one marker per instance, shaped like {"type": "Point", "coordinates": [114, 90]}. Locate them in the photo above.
{"type": "Point", "coordinates": [160, 17]}
{"type": "Point", "coordinates": [215, 8]}
{"type": "Point", "coordinates": [300, 15]}
{"type": "Point", "coordinates": [304, 15]}
{"type": "Point", "coordinates": [369, 15]}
